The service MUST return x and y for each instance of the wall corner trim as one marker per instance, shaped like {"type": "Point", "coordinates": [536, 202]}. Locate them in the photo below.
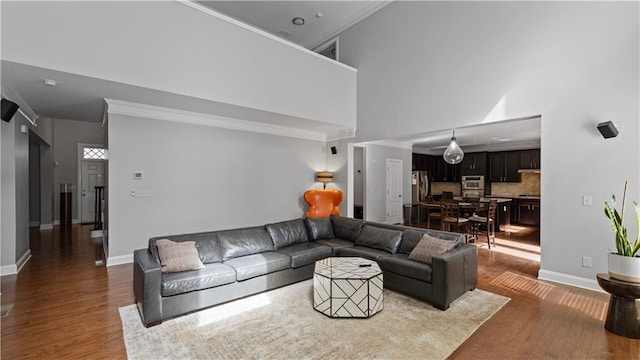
{"type": "Point", "coordinates": [23, 260]}
{"type": "Point", "coordinates": [118, 107]}
{"type": "Point", "coordinates": [119, 260]}
{"type": "Point", "coordinates": [571, 280]}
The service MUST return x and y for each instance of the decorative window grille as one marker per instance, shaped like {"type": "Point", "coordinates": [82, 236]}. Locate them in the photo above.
{"type": "Point", "coordinates": [91, 153]}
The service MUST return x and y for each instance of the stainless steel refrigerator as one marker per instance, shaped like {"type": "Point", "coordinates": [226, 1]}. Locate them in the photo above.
{"type": "Point", "coordinates": [419, 192]}
{"type": "Point", "coordinates": [419, 186]}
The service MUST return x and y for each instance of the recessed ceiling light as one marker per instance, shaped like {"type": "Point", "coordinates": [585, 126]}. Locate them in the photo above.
{"type": "Point", "coordinates": [50, 82]}
{"type": "Point", "coordinates": [298, 21]}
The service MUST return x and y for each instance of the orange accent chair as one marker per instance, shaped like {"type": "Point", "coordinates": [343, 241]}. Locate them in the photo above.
{"type": "Point", "coordinates": [323, 203]}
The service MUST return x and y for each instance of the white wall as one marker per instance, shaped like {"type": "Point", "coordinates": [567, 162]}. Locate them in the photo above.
{"type": "Point", "coordinates": [426, 66]}
{"type": "Point", "coordinates": [201, 179]}
{"type": "Point", "coordinates": [67, 134]}
{"type": "Point", "coordinates": [167, 46]}
{"type": "Point", "coordinates": [376, 179]}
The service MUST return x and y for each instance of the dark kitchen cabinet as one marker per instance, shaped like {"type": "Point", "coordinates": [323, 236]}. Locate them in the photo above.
{"type": "Point", "coordinates": [503, 166]}
{"type": "Point", "coordinates": [514, 210]}
{"type": "Point", "coordinates": [530, 159]}
{"type": "Point", "coordinates": [446, 172]}
{"type": "Point", "coordinates": [529, 211]}
{"type": "Point", "coordinates": [474, 164]}
{"type": "Point", "coordinates": [422, 162]}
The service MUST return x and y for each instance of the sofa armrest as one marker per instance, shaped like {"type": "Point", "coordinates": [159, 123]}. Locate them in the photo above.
{"type": "Point", "coordinates": [454, 273]}
{"type": "Point", "coordinates": [147, 283]}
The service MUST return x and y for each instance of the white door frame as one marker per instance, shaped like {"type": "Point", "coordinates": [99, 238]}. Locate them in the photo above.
{"type": "Point", "coordinates": [81, 147]}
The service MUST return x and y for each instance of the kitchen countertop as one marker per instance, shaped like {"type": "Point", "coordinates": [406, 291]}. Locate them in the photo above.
{"type": "Point", "coordinates": [487, 199]}
{"type": "Point", "coordinates": [527, 197]}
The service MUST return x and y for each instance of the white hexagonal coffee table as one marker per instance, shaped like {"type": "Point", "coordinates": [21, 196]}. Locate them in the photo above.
{"type": "Point", "coordinates": [347, 287]}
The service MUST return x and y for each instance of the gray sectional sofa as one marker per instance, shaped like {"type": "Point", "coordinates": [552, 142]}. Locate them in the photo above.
{"type": "Point", "coordinates": [246, 261]}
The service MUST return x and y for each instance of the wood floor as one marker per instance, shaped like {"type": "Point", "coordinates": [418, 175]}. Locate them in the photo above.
{"type": "Point", "coordinates": [66, 308]}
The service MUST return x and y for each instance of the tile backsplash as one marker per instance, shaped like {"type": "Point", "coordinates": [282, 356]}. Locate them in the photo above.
{"type": "Point", "coordinates": [529, 185]}
{"type": "Point", "coordinates": [438, 187]}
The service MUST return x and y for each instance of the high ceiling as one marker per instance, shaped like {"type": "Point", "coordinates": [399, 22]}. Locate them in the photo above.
{"type": "Point", "coordinates": [323, 20]}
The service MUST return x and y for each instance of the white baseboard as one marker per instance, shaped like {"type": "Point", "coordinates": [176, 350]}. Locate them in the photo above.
{"type": "Point", "coordinates": [73, 221]}
{"type": "Point", "coordinates": [46, 226]}
{"type": "Point", "coordinates": [15, 268]}
{"type": "Point", "coordinates": [23, 260]}
{"type": "Point", "coordinates": [8, 270]}
{"type": "Point", "coordinates": [570, 280]}
{"type": "Point", "coordinates": [118, 260]}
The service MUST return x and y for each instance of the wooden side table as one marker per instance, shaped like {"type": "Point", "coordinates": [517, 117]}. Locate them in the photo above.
{"type": "Point", "coordinates": [623, 316]}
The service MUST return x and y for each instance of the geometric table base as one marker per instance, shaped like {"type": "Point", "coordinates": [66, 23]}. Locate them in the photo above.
{"type": "Point", "coordinates": [343, 288]}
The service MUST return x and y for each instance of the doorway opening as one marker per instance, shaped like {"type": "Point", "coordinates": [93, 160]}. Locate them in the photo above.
{"type": "Point", "coordinates": [91, 179]}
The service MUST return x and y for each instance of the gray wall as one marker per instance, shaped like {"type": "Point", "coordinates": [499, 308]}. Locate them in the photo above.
{"type": "Point", "coordinates": [200, 179]}
{"type": "Point", "coordinates": [8, 195]}
{"type": "Point", "coordinates": [14, 188]}
{"type": "Point", "coordinates": [425, 66]}
{"type": "Point", "coordinates": [34, 183]}
{"type": "Point", "coordinates": [67, 134]}
{"type": "Point", "coordinates": [337, 163]}
{"type": "Point", "coordinates": [358, 175]}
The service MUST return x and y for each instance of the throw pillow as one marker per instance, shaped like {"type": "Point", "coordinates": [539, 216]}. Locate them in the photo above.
{"type": "Point", "coordinates": [178, 256]}
{"type": "Point", "coordinates": [428, 247]}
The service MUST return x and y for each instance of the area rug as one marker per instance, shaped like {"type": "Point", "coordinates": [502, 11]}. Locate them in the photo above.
{"type": "Point", "coordinates": [282, 324]}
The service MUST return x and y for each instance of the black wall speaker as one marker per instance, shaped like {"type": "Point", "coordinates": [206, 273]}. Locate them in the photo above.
{"type": "Point", "coordinates": [334, 150]}
{"type": "Point", "coordinates": [607, 129]}
{"type": "Point", "coordinates": [9, 109]}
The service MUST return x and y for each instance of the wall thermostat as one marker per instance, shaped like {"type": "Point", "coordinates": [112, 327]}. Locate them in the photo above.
{"type": "Point", "coordinates": [137, 174]}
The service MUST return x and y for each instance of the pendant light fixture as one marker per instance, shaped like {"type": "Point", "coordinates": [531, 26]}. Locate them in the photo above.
{"type": "Point", "coordinates": [453, 154]}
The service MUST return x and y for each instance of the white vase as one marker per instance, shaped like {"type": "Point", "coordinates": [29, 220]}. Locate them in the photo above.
{"type": "Point", "coordinates": [625, 268]}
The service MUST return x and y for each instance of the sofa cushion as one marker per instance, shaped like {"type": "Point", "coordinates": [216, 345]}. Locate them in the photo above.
{"type": "Point", "coordinates": [361, 251]}
{"type": "Point", "coordinates": [401, 265]}
{"type": "Point", "coordinates": [346, 228]}
{"type": "Point", "coordinates": [411, 238]}
{"type": "Point", "coordinates": [335, 244]}
{"type": "Point", "coordinates": [250, 266]}
{"type": "Point", "coordinates": [213, 274]}
{"type": "Point", "coordinates": [379, 238]}
{"type": "Point", "coordinates": [206, 243]}
{"type": "Point", "coordinates": [429, 247]}
{"type": "Point", "coordinates": [287, 233]}
{"type": "Point", "coordinates": [305, 253]}
{"type": "Point", "coordinates": [178, 256]}
{"type": "Point", "coordinates": [247, 241]}
{"type": "Point", "coordinates": [319, 228]}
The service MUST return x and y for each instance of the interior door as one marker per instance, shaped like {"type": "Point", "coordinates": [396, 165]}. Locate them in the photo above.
{"type": "Point", "coordinates": [394, 191]}
{"type": "Point", "coordinates": [92, 176]}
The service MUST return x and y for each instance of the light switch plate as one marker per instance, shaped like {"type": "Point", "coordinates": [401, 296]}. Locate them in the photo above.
{"type": "Point", "coordinates": [137, 175]}
{"type": "Point", "coordinates": [587, 200]}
